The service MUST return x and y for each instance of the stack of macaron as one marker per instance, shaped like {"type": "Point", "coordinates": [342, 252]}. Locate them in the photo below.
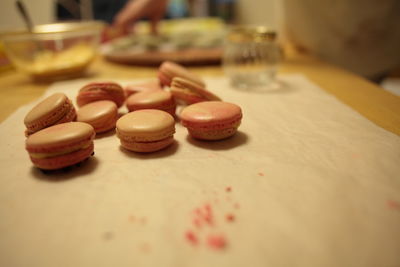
{"type": "Point", "coordinates": [205, 115]}
{"type": "Point", "coordinates": [58, 135]}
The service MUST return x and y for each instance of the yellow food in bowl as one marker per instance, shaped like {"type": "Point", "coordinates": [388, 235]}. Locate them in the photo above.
{"type": "Point", "coordinates": [46, 63]}
{"type": "Point", "coordinates": [53, 51]}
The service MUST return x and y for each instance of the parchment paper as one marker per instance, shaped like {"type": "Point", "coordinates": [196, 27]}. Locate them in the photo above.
{"type": "Point", "coordinates": [306, 181]}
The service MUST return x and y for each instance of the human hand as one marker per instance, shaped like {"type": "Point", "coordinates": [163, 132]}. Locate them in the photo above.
{"type": "Point", "coordinates": [137, 9]}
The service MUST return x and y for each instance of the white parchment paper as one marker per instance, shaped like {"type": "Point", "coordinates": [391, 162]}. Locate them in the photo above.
{"type": "Point", "coordinates": [306, 181]}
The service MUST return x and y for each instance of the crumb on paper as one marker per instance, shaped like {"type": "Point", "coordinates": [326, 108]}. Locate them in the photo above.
{"type": "Point", "coordinates": [392, 204]}
{"type": "Point", "coordinates": [145, 247]}
{"type": "Point", "coordinates": [191, 237]}
{"type": "Point", "coordinates": [131, 218]}
{"type": "Point", "coordinates": [108, 235]}
{"type": "Point", "coordinates": [216, 241]}
{"type": "Point", "coordinates": [230, 217]}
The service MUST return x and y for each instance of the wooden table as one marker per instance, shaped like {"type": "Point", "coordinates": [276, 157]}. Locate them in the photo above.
{"type": "Point", "coordinates": [367, 98]}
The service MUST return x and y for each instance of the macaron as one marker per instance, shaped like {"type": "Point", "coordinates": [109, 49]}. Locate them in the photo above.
{"type": "Point", "coordinates": [102, 115]}
{"type": "Point", "coordinates": [156, 99]}
{"type": "Point", "coordinates": [54, 109]}
{"type": "Point", "coordinates": [134, 88]}
{"type": "Point", "coordinates": [146, 130]}
{"type": "Point", "coordinates": [211, 120]}
{"type": "Point", "coordinates": [189, 92]}
{"type": "Point", "coordinates": [169, 70]}
{"type": "Point", "coordinates": [101, 91]}
{"type": "Point", "coordinates": [61, 145]}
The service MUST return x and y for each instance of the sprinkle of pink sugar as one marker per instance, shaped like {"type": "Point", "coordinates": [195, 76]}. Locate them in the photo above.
{"type": "Point", "coordinates": [143, 220]}
{"type": "Point", "coordinates": [197, 222]}
{"type": "Point", "coordinates": [230, 217]}
{"type": "Point", "coordinates": [145, 247]}
{"type": "Point", "coordinates": [132, 218]}
{"type": "Point", "coordinates": [236, 206]}
{"type": "Point", "coordinates": [191, 237]}
{"type": "Point", "coordinates": [393, 204]}
{"type": "Point", "coordinates": [260, 174]}
{"type": "Point", "coordinates": [198, 211]}
{"type": "Point", "coordinates": [228, 189]}
{"type": "Point", "coordinates": [208, 215]}
{"type": "Point", "coordinates": [216, 241]}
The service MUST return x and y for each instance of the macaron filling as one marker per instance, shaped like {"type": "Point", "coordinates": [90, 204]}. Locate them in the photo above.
{"type": "Point", "coordinates": [58, 153]}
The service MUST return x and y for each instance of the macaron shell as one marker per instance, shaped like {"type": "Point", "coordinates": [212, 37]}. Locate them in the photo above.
{"type": "Point", "coordinates": [101, 91]}
{"type": "Point", "coordinates": [164, 79]}
{"type": "Point", "coordinates": [102, 115]}
{"type": "Point", "coordinates": [186, 97]}
{"type": "Point", "coordinates": [159, 99]}
{"type": "Point", "coordinates": [170, 69]}
{"type": "Point", "coordinates": [146, 147]}
{"type": "Point", "coordinates": [55, 109]}
{"type": "Point", "coordinates": [213, 134]}
{"type": "Point", "coordinates": [209, 112]}
{"type": "Point", "coordinates": [61, 137]}
{"type": "Point", "coordinates": [212, 120]}
{"type": "Point", "coordinates": [181, 86]}
{"type": "Point", "coordinates": [131, 89]}
{"type": "Point", "coordinates": [145, 125]}
{"type": "Point", "coordinates": [64, 160]}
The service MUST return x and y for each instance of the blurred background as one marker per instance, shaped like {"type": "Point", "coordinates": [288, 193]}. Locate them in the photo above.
{"type": "Point", "coordinates": [238, 11]}
{"type": "Point", "coordinates": [359, 36]}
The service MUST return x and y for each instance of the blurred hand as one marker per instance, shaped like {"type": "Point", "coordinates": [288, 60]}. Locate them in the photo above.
{"type": "Point", "coordinates": [137, 9]}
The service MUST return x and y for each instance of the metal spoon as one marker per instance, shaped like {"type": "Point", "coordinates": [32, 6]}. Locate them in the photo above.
{"type": "Point", "coordinates": [25, 15]}
{"type": "Point", "coordinates": [23, 11]}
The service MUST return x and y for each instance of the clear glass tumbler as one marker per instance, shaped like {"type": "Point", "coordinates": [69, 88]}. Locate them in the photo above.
{"type": "Point", "coordinates": [251, 56]}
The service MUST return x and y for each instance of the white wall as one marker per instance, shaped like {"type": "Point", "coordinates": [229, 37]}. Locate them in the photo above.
{"type": "Point", "coordinates": [41, 11]}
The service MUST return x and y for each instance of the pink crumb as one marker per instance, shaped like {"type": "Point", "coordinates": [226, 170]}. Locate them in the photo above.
{"type": "Point", "coordinates": [208, 215]}
{"type": "Point", "coordinates": [132, 218]}
{"type": "Point", "coordinates": [145, 247]}
{"type": "Point", "coordinates": [236, 206]}
{"type": "Point", "coordinates": [228, 189]}
{"type": "Point", "coordinates": [216, 241]}
{"type": "Point", "coordinates": [198, 212]}
{"type": "Point", "coordinates": [143, 220]}
{"type": "Point", "coordinates": [191, 237]}
{"type": "Point", "coordinates": [261, 174]}
{"type": "Point", "coordinates": [207, 208]}
{"type": "Point", "coordinates": [393, 204]}
{"type": "Point", "coordinates": [230, 217]}
{"type": "Point", "coordinates": [197, 222]}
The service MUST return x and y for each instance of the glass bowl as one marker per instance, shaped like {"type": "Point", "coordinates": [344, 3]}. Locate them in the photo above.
{"type": "Point", "coordinates": [53, 51]}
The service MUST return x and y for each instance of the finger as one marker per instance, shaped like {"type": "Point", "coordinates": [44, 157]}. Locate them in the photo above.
{"type": "Point", "coordinates": [157, 15]}
{"type": "Point", "coordinates": [132, 11]}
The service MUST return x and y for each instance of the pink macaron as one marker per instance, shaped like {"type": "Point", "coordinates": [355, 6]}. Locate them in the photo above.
{"type": "Point", "coordinates": [61, 145]}
{"type": "Point", "coordinates": [134, 88]}
{"type": "Point", "coordinates": [188, 92]}
{"type": "Point", "coordinates": [54, 109]}
{"type": "Point", "coordinates": [102, 115]}
{"type": "Point", "coordinates": [101, 91]}
{"type": "Point", "coordinates": [146, 130]}
{"type": "Point", "coordinates": [156, 99]}
{"type": "Point", "coordinates": [169, 70]}
{"type": "Point", "coordinates": [211, 120]}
